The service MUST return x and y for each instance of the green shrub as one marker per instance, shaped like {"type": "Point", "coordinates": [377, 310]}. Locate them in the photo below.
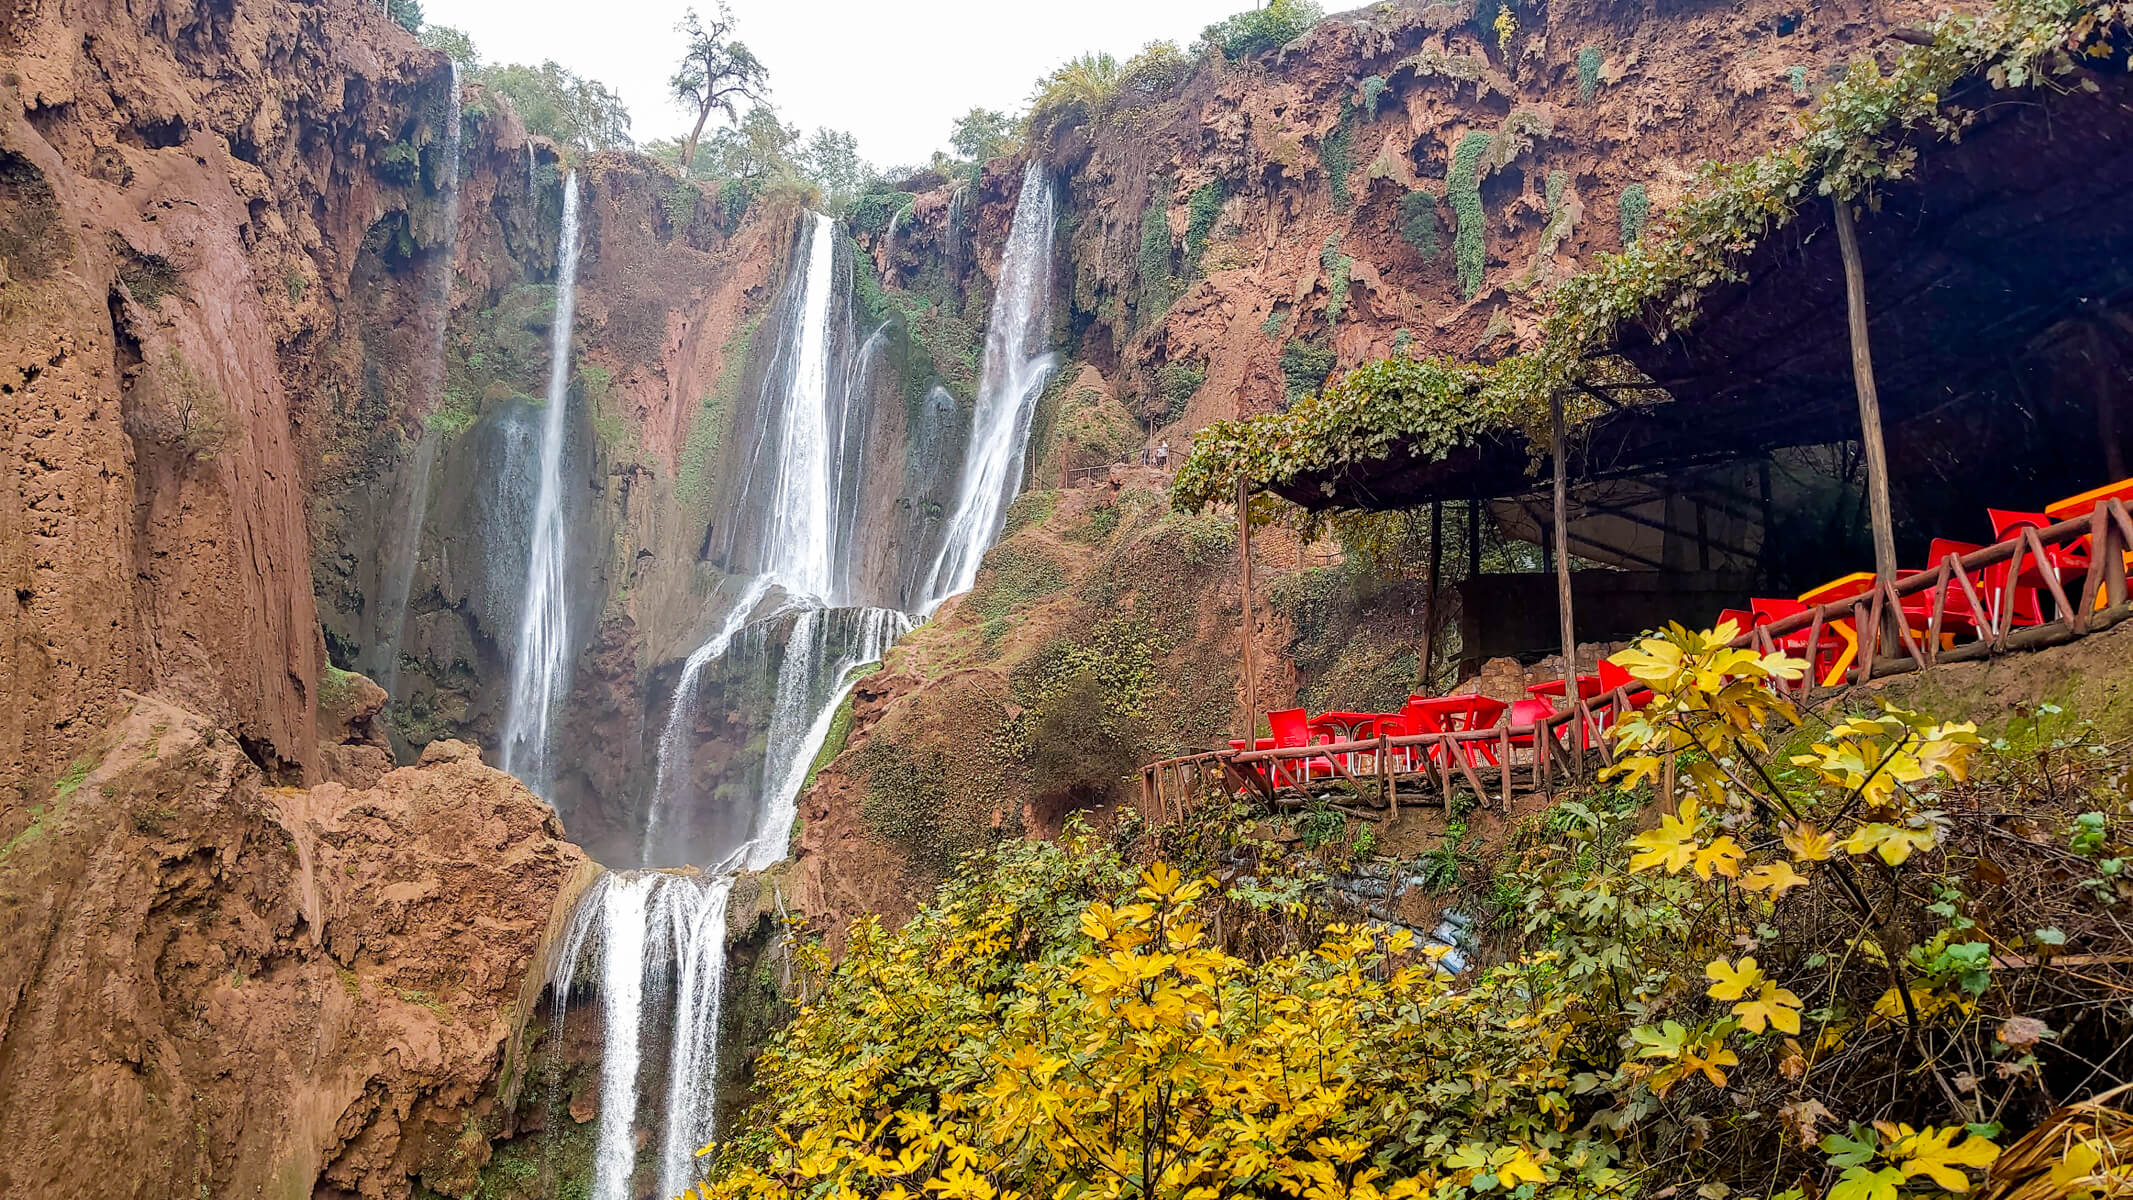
{"type": "Point", "coordinates": [1154, 261]}
{"type": "Point", "coordinates": [1015, 575]}
{"type": "Point", "coordinates": [398, 163]}
{"type": "Point", "coordinates": [1463, 189]}
{"type": "Point", "coordinates": [874, 212]}
{"type": "Point", "coordinates": [1178, 383]}
{"type": "Point", "coordinates": [1371, 89]}
{"type": "Point", "coordinates": [1402, 341]}
{"type": "Point", "coordinates": [1204, 207]}
{"type": "Point", "coordinates": [1337, 267]}
{"type": "Point", "coordinates": [1798, 78]}
{"type": "Point", "coordinates": [1590, 61]}
{"type": "Point", "coordinates": [1305, 366]}
{"type": "Point", "coordinates": [1418, 224]}
{"type": "Point", "coordinates": [1270, 27]}
{"type": "Point", "coordinates": [1274, 322]}
{"type": "Point", "coordinates": [1636, 210]}
{"type": "Point", "coordinates": [1336, 155]}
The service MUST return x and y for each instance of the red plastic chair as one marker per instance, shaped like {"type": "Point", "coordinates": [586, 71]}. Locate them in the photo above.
{"type": "Point", "coordinates": [1613, 677]}
{"type": "Point", "coordinates": [1770, 609]}
{"type": "Point", "coordinates": [2070, 563]}
{"type": "Point", "coordinates": [1956, 612]}
{"type": "Point", "coordinates": [1529, 713]}
{"type": "Point", "coordinates": [1292, 728]}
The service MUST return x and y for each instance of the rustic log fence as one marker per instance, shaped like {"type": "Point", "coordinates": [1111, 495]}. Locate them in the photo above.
{"type": "Point", "coordinates": [1379, 773]}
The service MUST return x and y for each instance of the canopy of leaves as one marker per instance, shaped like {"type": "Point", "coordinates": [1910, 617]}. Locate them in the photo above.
{"type": "Point", "coordinates": [717, 72]}
{"type": "Point", "coordinates": [452, 43]}
{"type": "Point", "coordinates": [1268, 27]}
{"type": "Point", "coordinates": [1863, 133]}
{"type": "Point", "coordinates": [983, 134]}
{"type": "Point", "coordinates": [579, 113]}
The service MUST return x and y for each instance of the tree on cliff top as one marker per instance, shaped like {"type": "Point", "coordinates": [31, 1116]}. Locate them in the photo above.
{"type": "Point", "coordinates": [715, 73]}
{"type": "Point", "coordinates": [577, 112]}
{"type": "Point", "coordinates": [983, 134]}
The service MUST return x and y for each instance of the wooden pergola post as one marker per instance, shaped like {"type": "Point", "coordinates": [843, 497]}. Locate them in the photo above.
{"type": "Point", "coordinates": [1877, 458]}
{"type": "Point", "coordinates": [1244, 570]}
{"type": "Point", "coordinates": [1429, 602]}
{"type": "Point", "coordinates": [1562, 551]}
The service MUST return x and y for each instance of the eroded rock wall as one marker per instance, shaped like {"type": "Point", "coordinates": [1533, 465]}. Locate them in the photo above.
{"type": "Point", "coordinates": [210, 985]}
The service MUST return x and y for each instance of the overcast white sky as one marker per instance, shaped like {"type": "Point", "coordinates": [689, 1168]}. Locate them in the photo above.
{"type": "Point", "coordinates": [893, 74]}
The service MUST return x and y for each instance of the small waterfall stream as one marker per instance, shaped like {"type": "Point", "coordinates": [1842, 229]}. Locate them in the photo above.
{"type": "Point", "coordinates": [660, 934]}
{"type": "Point", "coordinates": [1016, 368]}
{"type": "Point", "coordinates": [540, 670]}
{"type": "Point", "coordinates": [396, 581]}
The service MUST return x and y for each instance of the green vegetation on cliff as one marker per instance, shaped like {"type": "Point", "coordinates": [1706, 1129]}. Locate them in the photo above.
{"type": "Point", "coordinates": [1718, 999]}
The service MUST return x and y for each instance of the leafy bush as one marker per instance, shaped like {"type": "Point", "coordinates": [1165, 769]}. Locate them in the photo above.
{"type": "Point", "coordinates": [1590, 60]}
{"type": "Point", "coordinates": [1202, 211]}
{"type": "Point", "coordinates": [1754, 988]}
{"type": "Point", "coordinates": [1462, 186]}
{"type": "Point", "coordinates": [1153, 75]}
{"type": "Point", "coordinates": [577, 112]}
{"type": "Point", "coordinates": [983, 134]}
{"type": "Point", "coordinates": [1636, 211]}
{"type": "Point", "coordinates": [1178, 383]}
{"type": "Point", "coordinates": [1077, 93]}
{"type": "Point", "coordinates": [1418, 224]}
{"type": "Point", "coordinates": [1305, 365]}
{"type": "Point", "coordinates": [1268, 27]}
{"type": "Point", "coordinates": [1157, 284]}
{"type": "Point", "coordinates": [1336, 156]}
{"type": "Point", "coordinates": [1371, 89]}
{"type": "Point", "coordinates": [1337, 266]}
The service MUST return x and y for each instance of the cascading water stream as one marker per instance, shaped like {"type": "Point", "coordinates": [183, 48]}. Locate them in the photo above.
{"type": "Point", "coordinates": [1015, 370]}
{"type": "Point", "coordinates": [397, 581]}
{"type": "Point", "coordinates": [661, 934]}
{"type": "Point", "coordinates": [540, 670]}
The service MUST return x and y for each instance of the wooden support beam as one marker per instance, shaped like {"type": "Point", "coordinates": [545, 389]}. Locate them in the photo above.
{"type": "Point", "coordinates": [1429, 604]}
{"type": "Point", "coordinates": [1244, 570]}
{"type": "Point", "coordinates": [1870, 439]}
{"type": "Point", "coordinates": [1556, 442]}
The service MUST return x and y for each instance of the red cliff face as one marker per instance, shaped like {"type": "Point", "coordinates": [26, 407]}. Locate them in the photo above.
{"type": "Point", "coordinates": [1402, 178]}
{"type": "Point", "coordinates": [186, 186]}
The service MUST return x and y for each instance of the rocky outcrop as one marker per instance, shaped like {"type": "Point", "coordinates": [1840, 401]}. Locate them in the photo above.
{"type": "Point", "coordinates": [187, 188]}
{"type": "Point", "coordinates": [209, 985]}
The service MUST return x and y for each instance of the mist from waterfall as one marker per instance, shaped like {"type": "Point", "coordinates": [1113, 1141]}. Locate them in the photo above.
{"type": "Point", "coordinates": [540, 670]}
{"type": "Point", "coordinates": [396, 582]}
{"type": "Point", "coordinates": [1017, 365]}
{"type": "Point", "coordinates": [793, 537]}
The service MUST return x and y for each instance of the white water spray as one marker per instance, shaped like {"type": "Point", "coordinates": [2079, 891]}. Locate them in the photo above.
{"type": "Point", "coordinates": [540, 671]}
{"type": "Point", "coordinates": [622, 935]}
{"type": "Point", "coordinates": [800, 508]}
{"type": "Point", "coordinates": [671, 776]}
{"type": "Point", "coordinates": [1015, 371]}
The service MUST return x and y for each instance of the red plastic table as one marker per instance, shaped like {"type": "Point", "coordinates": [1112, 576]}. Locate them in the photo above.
{"type": "Point", "coordinates": [1858, 583]}
{"type": "Point", "coordinates": [1460, 714]}
{"type": "Point", "coordinates": [1346, 727]}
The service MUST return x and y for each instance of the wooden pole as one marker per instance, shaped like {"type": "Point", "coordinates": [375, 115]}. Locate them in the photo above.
{"type": "Point", "coordinates": [1562, 550]}
{"type": "Point", "coordinates": [1429, 603]}
{"type": "Point", "coordinates": [1244, 571]}
{"type": "Point", "coordinates": [1870, 440]}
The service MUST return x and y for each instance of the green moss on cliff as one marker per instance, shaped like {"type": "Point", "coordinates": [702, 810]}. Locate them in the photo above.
{"type": "Point", "coordinates": [695, 476]}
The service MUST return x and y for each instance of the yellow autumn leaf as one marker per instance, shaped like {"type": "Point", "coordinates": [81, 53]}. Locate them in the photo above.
{"type": "Point", "coordinates": [1774, 878]}
{"type": "Point", "coordinates": [1935, 1154]}
{"type": "Point", "coordinates": [1732, 982]}
{"type": "Point", "coordinates": [1671, 846]}
{"type": "Point", "coordinates": [1893, 843]}
{"type": "Point", "coordinates": [1722, 857]}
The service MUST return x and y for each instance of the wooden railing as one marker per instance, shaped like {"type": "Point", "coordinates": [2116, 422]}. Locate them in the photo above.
{"type": "Point", "coordinates": [1373, 772]}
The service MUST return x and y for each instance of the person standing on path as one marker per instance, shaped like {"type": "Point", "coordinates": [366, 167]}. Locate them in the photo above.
{"type": "Point", "coordinates": [1162, 455]}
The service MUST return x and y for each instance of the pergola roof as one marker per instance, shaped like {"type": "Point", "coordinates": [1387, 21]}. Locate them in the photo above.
{"type": "Point", "coordinates": [1992, 240]}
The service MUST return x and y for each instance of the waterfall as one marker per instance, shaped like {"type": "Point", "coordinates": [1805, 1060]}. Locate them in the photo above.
{"type": "Point", "coordinates": [622, 936]}
{"type": "Point", "coordinates": [812, 683]}
{"type": "Point", "coordinates": [540, 669]}
{"type": "Point", "coordinates": [795, 531]}
{"type": "Point", "coordinates": [1015, 370]}
{"type": "Point", "coordinates": [396, 582]}
{"type": "Point", "coordinates": [800, 517]}
{"type": "Point", "coordinates": [671, 766]}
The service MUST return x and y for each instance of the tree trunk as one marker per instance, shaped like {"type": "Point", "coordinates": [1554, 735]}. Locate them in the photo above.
{"type": "Point", "coordinates": [1244, 571]}
{"type": "Point", "coordinates": [688, 148]}
{"type": "Point", "coordinates": [1562, 552]}
{"type": "Point", "coordinates": [1870, 440]}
